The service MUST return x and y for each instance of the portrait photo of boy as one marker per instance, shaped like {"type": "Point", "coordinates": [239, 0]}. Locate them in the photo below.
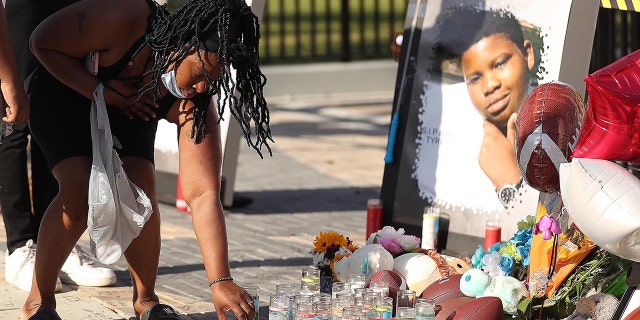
{"type": "Point", "coordinates": [476, 62]}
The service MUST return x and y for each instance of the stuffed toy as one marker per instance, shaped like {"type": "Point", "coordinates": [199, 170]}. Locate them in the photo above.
{"type": "Point", "coordinates": [367, 260]}
{"type": "Point", "coordinates": [477, 283]}
{"type": "Point", "coordinates": [448, 265]}
{"type": "Point", "coordinates": [417, 269]}
{"type": "Point", "coordinates": [600, 306]}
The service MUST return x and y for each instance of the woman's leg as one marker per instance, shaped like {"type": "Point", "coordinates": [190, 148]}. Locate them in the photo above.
{"type": "Point", "coordinates": [143, 254]}
{"type": "Point", "coordinates": [62, 225]}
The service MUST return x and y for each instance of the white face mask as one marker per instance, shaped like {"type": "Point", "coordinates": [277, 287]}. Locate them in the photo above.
{"type": "Point", "coordinates": [170, 82]}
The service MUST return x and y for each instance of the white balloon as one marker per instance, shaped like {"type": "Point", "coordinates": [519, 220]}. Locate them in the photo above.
{"type": "Point", "coordinates": [603, 199]}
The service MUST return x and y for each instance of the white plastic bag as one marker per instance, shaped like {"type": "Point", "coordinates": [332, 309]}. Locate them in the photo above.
{"type": "Point", "coordinates": [118, 209]}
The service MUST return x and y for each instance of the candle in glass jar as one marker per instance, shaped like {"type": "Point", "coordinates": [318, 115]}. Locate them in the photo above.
{"type": "Point", "coordinates": [492, 233]}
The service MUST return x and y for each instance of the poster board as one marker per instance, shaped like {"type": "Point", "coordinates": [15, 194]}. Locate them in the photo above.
{"type": "Point", "coordinates": [166, 145]}
{"type": "Point", "coordinates": [435, 157]}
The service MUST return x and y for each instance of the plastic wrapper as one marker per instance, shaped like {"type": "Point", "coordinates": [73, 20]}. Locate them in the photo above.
{"type": "Point", "coordinates": [611, 128]}
{"type": "Point", "coordinates": [547, 129]}
{"type": "Point", "coordinates": [569, 249]}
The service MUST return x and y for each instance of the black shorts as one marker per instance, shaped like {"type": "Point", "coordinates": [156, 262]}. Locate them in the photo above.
{"type": "Point", "coordinates": [59, 122]}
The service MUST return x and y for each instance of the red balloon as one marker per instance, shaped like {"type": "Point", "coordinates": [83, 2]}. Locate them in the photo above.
{"type": "Point", "coordinates": [547, 130]}
{"type": "Point", "coordinates": [611, 128]}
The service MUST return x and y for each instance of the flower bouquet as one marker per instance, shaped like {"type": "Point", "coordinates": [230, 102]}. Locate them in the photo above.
{"type": "Point", "coordinates": [510, 258]}
{"type": "Point", "coordinates": [329, 247]}
{"type": "Point", "coordinates": [395, 241]}
{"type": "Point", "coordinates": [565, 267]}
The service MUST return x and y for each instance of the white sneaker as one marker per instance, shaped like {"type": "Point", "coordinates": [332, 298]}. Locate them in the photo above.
{"type": "Point", "coordinates": [79, 270]}
{"type": "Point", "coordinates": [18, 267]}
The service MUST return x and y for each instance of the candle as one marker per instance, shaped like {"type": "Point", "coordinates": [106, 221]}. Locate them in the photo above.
{"type": "Point", "coordinates": [374, 216]}
{"type": "Point", "coordinates": [430, 220]}
{"type": "Point", "coordinates": [492, 233]}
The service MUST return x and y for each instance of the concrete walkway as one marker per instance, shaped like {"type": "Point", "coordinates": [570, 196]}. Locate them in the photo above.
{"type": "Point", "coordinates": [327, 161]}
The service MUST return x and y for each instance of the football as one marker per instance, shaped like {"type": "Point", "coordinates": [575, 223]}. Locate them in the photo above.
{"type": "Point", "coordinates": [447, 309]}
{"type": "Point", "coordinates": [484, 308]}
{"type": "Point", "coordinates": [444, 289]}
{"type": "Point", "coordinates": [546, 133]}
{"type": "Point", "coordinates": [394, 279]}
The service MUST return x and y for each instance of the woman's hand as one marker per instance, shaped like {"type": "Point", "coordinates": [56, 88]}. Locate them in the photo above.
{"type": "Point", "coordinates": [497, 156]}
{"type": "Point", "coordinates": [228, 296]}
{"type": "Point", "coordinates": [17, 108]}
{"type": "Point", "coordinates": [124, 94]}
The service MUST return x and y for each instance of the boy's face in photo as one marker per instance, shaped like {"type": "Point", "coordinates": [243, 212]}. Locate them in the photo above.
{"type": "Point", "coordinates": [496, 72]}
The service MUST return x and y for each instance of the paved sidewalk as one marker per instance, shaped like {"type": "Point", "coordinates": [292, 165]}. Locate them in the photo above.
{"type": "Point", "coordinates": [327, 162]}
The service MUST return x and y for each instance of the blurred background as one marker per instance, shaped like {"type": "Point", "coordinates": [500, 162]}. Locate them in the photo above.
{"type": "Point", "coordinates": [305, 31]}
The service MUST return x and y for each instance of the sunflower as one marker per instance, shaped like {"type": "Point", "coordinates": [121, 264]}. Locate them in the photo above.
{"type": "Point", "coordinates": [329, 241]}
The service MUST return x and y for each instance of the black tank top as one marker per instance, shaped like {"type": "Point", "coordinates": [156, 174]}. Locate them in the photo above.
{"type": "Point", "coordinates": [110, 72]}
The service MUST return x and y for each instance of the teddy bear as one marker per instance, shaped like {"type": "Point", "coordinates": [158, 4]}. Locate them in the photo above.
{"type": "Point", "coordinates": [477, 283]}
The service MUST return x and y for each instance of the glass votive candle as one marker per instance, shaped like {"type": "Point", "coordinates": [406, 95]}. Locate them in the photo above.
{"type": "Point", "coordinates": [344, 294]}
{"type": "Point", "coordinates": [321, 297]}
{"type": "Point", "coordinates": [310, 279]}
{"type": "Point", "coordinates": [382, 308]}
{"type": "Point", "coordinates": [425, 309]}
{"type": "Point", "coordinates": [302, 298]}
{"type": "Point", "coordinates": [278, 307]}
{"type": "Point", "coordinates": [356, 281]}
{"type": "Point", "coordinates": [339, 303]}
{"type": "Point", "coordinates": [492, 234]}
{"type": "Point", "coordinates": [380, 286]}
{"type": "Point", "coordinates": [304, 310]}
{"type": "Point", "coordinates": [253, 291]}
{"type": "Point", "coordinates": [359, 292]}
{"type": "Point", "coordinates": [374, 295]}
{"type": "Point", "coordinates": [364, 302]}
{"type": "Point", "coordinates": [405, 298]}
{"type": "Point", "coordinates": [322, 310]}
{"type": "Point", "coordinates": [288, 290]}
{"type": "Point", "coordinates": [351, 313]}
{"type": "Point", "coordinates": [406, 313]}
{"type": "Point", "coordinates": [339, 287]}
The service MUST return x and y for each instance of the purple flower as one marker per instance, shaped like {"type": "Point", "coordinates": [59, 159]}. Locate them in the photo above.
{"type": "Point", "coordinates": [548, 226]}
{"type": "Point", "coordinates": [390, 244]}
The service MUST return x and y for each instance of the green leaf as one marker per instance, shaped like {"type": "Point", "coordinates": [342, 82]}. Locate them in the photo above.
{"type": "Point", "coordinates": [524, 308]}
{"type": "Point", "coordinates": [617, 286]}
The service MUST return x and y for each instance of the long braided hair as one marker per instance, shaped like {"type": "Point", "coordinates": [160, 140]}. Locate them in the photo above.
{"type": "Point", "coordinates": [230, 29]}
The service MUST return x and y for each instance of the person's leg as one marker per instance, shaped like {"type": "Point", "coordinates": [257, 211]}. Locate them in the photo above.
{"type": "Point", "coordinates": [62, 225]}
{"type": "Point", "coordinates": [63, 132]}
{"type": "Point", "coordinates": [143, 254]}
{"type": "Point", "coordinates": [15, 199]}
{"type": "Point", "coordinates": [79, 269]}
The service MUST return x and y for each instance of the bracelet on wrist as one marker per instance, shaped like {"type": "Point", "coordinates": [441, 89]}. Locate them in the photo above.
{"type": "Point", "coordinates": [220, 280]}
